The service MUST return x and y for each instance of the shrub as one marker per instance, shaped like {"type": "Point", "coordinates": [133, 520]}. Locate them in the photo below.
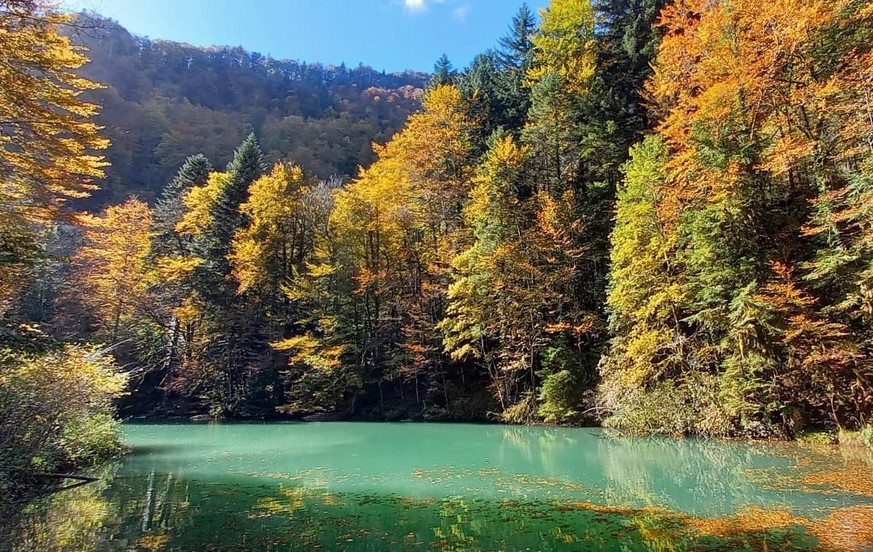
{"type": "Point", "coordinates": [55, 411]}
{"type": "Point", "coordinates": [522, 412]}
{"type": "Point", "coordinates": [687, 407]}
{"type": "Point", "coordinates": [558, 398]}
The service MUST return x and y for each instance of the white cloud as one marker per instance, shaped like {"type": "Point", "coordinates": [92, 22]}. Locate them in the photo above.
{"type": "Point", "coordinates": [459, 12]}
{"type": "Point", "coordinates": [415, 5]}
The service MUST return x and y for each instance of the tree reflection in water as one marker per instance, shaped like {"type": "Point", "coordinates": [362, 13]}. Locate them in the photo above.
{"type": "Point", "coordinates": [531, 488]}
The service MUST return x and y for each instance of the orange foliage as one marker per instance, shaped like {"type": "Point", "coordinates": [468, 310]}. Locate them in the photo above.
{"type": "Point", "coordinates": [753, 68]}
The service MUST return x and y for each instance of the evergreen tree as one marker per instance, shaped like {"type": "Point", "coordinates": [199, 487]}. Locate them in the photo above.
{"type": "Point", "coordinates": [513, 58]}
{"type": "Point", "coordinates": [629, 36]}
{"type": "Point", "coordinates": [551, 133]}
{"type": "Point", "coordinates": [169, 208]}
{"type": "Point", "coordinates": [234, 324]}
{"type": "Point", "coordinates": [480, 87]}
{"type": "Point", "coordinates": [516, 45]}
{"type": "Point", "coordinates": [225, 214]}
{"type": "Point", "coordinates": [443, 72]}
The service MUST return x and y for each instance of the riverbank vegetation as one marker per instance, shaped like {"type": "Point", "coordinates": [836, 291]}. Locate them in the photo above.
{"type": "Point", "coordinates": [650, 214]}
{"type": "Point", "coordinates": [56, 408]}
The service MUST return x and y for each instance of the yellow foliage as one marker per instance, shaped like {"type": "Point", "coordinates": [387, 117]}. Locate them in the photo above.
{"type": "Point", "coordinates": [306, 349]}
{"type": "Point", "coordinates": [726, 64]}
{"type": "Point", "coordinates": [269, 240]}
{"type": "Point", "coordinates": [199, 202]}
{"type": "Point", "coordinates": [418, 185]}
{"type": "Point", "coordinates": [57, 407]}
{"type": "Point", "coordinates": [48, 141]}
{"type": "Point", "coordinates": [175, 268]}
{"type": "Point", "coordinates": [565, 43]}
{"type": "Point", "coordinates": [112, 266]}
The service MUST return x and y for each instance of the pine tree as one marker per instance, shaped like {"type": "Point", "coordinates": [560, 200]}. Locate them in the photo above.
{"type": "Point", "coordinates": [630, 38]}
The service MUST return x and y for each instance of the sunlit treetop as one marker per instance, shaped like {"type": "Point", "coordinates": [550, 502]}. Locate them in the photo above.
{"type": "Point", "coordinates": [565, 43]}
{"type": "Point", "coordinates": [47, 139]}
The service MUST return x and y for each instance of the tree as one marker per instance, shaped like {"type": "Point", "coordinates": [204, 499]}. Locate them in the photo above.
{"type": "Point", "coordinates": [225, 214]}
{"type": "Point", "coordinates": [170, 208]}
{"type": "Point", "coordinates": [472, 327]}
{"type": "Point", "coordinates": [645, 294]}
{"type": "Point", "coordinates": [564, 43]}
{"type": "Point", "coordinates": [111, 269]}
{"type": "Point", "coordinates": [275, 239]}
{"type": "Point", "coordinates": [48, 141]}
{"type": "Point", "coordinates": [48, 136]}
{"type": "Point", "coordinates": [757, 134]}
{"type": "Point", "coordinates": [550, 130]}
{"type": "Point", "coordinates": [516, 45]}
{"type": "Point", "coordinates": [172, 261]}
{"type": "Point", "coordinates": [443, 72]}
{"type": "Point", "coordinates": [514, 58]}
{"type": "Point", "coordinates": [232, 322]}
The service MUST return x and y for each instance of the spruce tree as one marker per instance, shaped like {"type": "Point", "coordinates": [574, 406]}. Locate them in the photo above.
{"type": "Point", "coordinates": [516, 46]}
{"type": "Point", "coordinates": [169, 207]}
{"type": "Point", "coordinates": [443, 72]}
{"type": "Point", "coordinates": [514, 57]}
{"type": "Point", "coordinates": [246, 167]}
{"type": "Point", "coordinates": [232, 320]}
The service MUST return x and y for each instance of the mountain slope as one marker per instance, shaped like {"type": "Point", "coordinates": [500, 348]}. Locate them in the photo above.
{"type": "Point", "coordinates": [166, 100]}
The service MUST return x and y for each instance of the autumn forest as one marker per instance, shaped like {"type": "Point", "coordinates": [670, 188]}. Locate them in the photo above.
{"type": "Point", "coordinates": [651, 215]}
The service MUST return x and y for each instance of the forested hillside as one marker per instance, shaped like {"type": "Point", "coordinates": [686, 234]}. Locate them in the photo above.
{"type": "Point", "coordinates": [164, 100]}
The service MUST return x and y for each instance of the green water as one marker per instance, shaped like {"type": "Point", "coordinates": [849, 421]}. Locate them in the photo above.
{"type": "Point", "coordinates": [359, 486]}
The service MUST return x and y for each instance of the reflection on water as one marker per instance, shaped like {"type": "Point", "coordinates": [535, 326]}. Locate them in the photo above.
{"type": "Point", "coordinates": [449, 487]}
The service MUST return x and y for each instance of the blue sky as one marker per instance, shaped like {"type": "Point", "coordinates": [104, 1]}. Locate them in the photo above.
{"type": "Point", "coordinates": [385, 34]}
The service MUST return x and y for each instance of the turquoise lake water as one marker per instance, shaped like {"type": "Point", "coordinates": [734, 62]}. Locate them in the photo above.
{"type": "Point", "coordinates": [363, 486]}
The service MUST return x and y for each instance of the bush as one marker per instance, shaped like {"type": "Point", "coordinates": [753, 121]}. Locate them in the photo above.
{"type": "Point", "coordinates": [522, 412]}
{"type": "Point", "coordinates": [558, 398]}
{"type": "Point", "coordinates": [55, 411]}
{"type": "Point", "coordinates": [689, 407]}
{"type": "Point", "coordinates": [867, 435]}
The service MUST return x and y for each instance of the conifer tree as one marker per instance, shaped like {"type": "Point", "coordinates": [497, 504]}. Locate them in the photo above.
{"type": "Point", "coordinates": [225, 215]}
{"type": "Point", "coordinates": [516, 45]}
{"type": "Point", "coordinates": [514, 57]}
{"type": "Point", "coordinates": [443, 72]}
{"type": "Point", "coordinates": [169, 208]}
{"type": "Point", "coordinates": [233, 323]}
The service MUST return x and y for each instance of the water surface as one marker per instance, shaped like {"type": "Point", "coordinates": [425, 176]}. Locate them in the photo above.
{"type": "Point", "coordinates": [359, 486]}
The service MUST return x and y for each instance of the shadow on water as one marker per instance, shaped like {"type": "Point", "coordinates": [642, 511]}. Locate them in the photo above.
{"type": "Point", "coordinates": [156, 449]}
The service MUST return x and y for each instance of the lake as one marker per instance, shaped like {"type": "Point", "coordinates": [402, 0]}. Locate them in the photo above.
{"type": "Point", "coordinates": [364, 486]}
